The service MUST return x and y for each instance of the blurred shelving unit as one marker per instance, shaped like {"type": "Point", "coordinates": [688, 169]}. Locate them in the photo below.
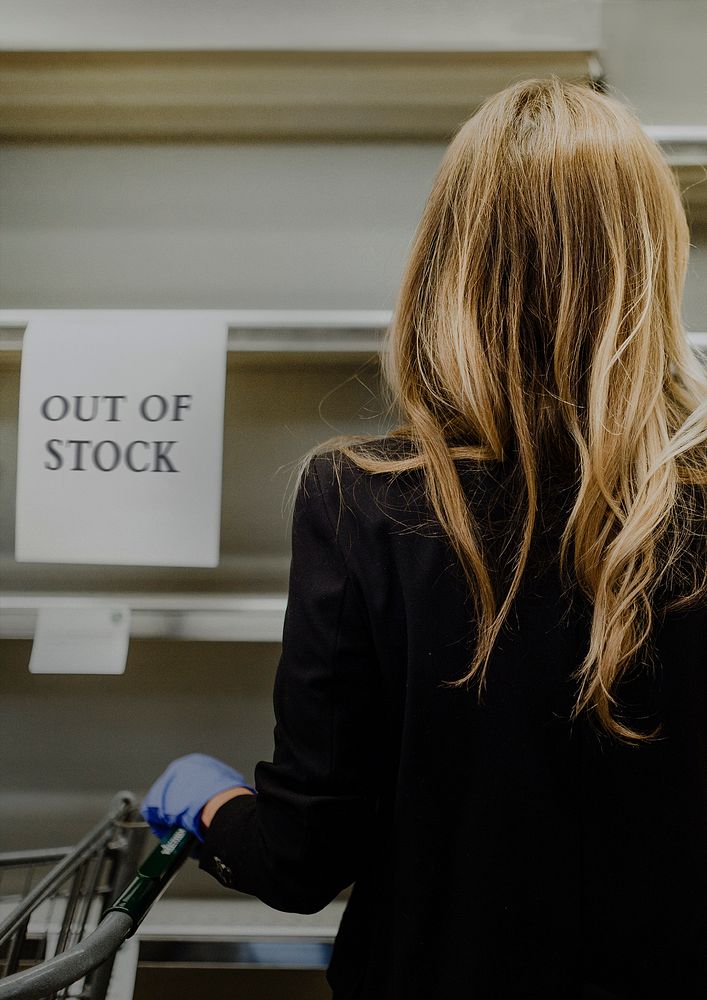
{"type": "Point", "coordinates": [243, 600]}
{"type": "Point", "coordinates": [272, 95]}
{"type": "Point", "coordinates": [685, 149]}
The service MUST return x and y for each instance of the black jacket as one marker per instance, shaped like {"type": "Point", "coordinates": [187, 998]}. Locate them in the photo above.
{"type": "Point", "coordinates": [496, 850]}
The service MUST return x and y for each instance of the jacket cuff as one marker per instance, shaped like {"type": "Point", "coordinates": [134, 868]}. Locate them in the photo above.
{"type": "Point", "coordinates": [215, 856]}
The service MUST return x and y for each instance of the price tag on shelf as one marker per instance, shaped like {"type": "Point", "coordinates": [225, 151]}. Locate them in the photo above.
{"type": "Point", "coordinates": [120, 439]}
{"type": "Point", "coordinates": [81, 640]}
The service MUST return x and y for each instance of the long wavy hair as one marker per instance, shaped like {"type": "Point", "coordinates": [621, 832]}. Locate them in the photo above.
{"type": "Point", "coordinates": [538, 323]}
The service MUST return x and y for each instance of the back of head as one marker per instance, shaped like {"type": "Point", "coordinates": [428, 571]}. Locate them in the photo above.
{"type": "Point", "coordinates": [540, 309]}
{"type": "Point", "coordinates": [539, 324]}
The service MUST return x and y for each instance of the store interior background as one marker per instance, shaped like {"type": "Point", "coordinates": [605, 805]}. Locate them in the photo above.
{"type": "Point", "coordinates": [313, 223]}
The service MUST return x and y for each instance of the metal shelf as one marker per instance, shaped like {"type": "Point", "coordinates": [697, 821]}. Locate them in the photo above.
{"type": "Point", "coordinates": [271, 331]}
{"type": "Point", "coordinates": [283, 331]}
{"type": "Point", "coordinates": [233, 933]}
{"type": "Point", "coordinates": [241, 919]}
{"type": "Point", "coordinates": [275, 96]}
{"type": "Point", "coordinates": [237, 933]}
{"type": "Point", "coordinates": [682, 144]}
{"type": "Point", "coordinates": [213, 618]}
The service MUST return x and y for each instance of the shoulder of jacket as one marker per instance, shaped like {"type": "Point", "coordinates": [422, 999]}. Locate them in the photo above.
{"type": "Point", "coordinates": [340, 475]}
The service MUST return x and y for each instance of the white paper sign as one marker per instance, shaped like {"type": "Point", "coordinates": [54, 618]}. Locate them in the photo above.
{"type": "Point", "coordinates": [120, 440]}
{"type": "Point", "coordinates": [88, 640]}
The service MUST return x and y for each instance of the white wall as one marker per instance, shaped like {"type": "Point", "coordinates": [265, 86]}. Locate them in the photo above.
{"type": "Point", "coordinates": [655, 53]}
{"type": "Point", "coordinates": [249, 226]}
{"type": "Point", "coordinates": [300, 24]}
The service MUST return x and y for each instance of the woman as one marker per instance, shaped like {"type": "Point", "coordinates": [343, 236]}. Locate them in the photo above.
{"type": "Point", "coordinates": [492, 698]}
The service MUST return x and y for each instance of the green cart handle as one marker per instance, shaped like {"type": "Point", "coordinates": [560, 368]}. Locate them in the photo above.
{"type": "Point", "coordinates": [153, 876]}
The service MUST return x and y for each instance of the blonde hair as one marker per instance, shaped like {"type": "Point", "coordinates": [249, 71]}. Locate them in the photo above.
{"type": "Point", "coordinates": [538, 322]}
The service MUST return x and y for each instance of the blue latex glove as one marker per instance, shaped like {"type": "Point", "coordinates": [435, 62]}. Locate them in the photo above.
{"type": "Point", "coordinates": [182, 791]}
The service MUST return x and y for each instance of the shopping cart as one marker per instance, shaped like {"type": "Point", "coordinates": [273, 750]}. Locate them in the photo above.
{"type": "Point", "coordinates": [59, 934]}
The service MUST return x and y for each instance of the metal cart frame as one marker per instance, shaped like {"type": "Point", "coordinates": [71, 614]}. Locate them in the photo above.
{"type": "Point", "coordinates": [95, 872]}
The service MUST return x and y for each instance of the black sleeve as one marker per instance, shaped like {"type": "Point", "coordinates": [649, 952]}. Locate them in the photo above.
{"type": "Point", "coordinates": [303, 838]}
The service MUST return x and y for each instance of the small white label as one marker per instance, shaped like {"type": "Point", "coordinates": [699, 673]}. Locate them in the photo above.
{"type": "Point", "coordinates": [85, 640]}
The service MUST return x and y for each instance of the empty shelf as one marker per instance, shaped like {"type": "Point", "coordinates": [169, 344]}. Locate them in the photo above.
{"type": "Point", "coordinates": [213, 617]}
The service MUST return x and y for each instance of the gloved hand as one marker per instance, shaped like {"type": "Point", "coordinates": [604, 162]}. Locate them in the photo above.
{"type": "Point", "coordinates": [183, 789]}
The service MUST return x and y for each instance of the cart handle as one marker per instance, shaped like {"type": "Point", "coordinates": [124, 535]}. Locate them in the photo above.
{"type": "Point", "coordinates": [153, 877]}
{"type": "Point", "coordinates": [119, 922]}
